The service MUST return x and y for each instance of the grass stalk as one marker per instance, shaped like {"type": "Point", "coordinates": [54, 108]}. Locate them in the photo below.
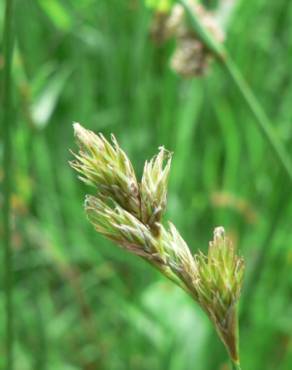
{"type": "Point", "coordinates": [255, 108]}
{"type": "Point", "coordinates": [235, 366]}
{"type": "Point", "coordinates": [7, 181]}
{"type": "Point", "coordinates": [263, 122]}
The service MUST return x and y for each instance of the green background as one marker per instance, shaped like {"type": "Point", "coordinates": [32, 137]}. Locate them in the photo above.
{"type": "Point", "coordinates": [82, 303]}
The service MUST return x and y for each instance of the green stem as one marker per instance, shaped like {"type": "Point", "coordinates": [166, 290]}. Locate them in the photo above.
{"type": "Point", "coordinates": [261, 119]}
{"type": "Point", "coordinates": [263, 122]}
{"type": "Point", "coordinates": [235, 366]}
{"type": "Point", "coordinates": [7, 149]}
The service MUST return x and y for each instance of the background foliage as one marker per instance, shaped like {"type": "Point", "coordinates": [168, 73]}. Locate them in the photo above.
{"type": "Point", "coordinates": [82, 303]}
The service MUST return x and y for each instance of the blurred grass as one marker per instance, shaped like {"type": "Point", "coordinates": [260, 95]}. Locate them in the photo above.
{"type": "Point", "coordinates": [7, 119]}
{"type": "Point", "coordinates": [80, 302]}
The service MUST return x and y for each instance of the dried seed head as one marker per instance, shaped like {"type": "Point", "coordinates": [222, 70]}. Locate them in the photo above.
{"type": "Point", "coordinates": [154, 188]}
{"type": "Point", "coordinates": [191, 57]}
{"type": "Point", "coordinates": [166, 24]}
{"type": "Point", "coordinates": [106, 167]}
{"type": "Point", "coordinates": [208, 20]}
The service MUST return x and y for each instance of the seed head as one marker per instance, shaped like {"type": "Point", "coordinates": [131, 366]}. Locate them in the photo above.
{"type": "Point", "coordinates": [154, 188]}
{"type": "Point", "coordinates": [191, 57]}
{"type": "Point", "coordinates": [179, 257]}
{"type": "Point", "coordinates": [218, 286]}
{"type": "Point", "coordinates": [120, 226]}
{"type": "Point", "coordinates": [130, 214]}
{"type": "Point", "coordinates": [106, 167]}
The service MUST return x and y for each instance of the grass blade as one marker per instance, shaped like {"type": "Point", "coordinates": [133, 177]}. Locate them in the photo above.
{"type": "Point", "coordinates": [7, 181]}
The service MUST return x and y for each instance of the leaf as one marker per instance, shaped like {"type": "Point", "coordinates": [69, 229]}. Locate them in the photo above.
{"type": "Point", "coordinates": [46, 102]}
{"type": "Point", "coordinates": [57, 14]}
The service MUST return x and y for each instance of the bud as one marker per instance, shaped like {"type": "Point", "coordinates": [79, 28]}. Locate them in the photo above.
{"type": "Point", "coordinates": [106, 167]}
{"type": "Point", "coordinates": [154, 188]}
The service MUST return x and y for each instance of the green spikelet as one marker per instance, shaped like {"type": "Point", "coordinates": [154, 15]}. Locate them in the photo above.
{"type": "Point", "coordinates": [130, 213]}
{"type": "Point", "coordinates": [219, 283]}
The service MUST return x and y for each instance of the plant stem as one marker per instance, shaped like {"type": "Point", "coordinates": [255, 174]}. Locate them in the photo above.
{"type": "Point", "coordinates": [7, 149]}
{"type": "Point", "coordinates": [235, 366]}
{"type": "Point", "coordinates": [262, 120]}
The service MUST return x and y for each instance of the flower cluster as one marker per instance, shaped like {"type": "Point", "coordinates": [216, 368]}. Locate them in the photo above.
{"type": "Point", "coordinates": [129, 213]}
{"type": "Point", "coordinates": [218, 287]}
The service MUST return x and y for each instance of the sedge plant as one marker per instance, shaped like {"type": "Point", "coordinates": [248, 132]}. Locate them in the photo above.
{"type": "Point", "coordinates": [129, 212]}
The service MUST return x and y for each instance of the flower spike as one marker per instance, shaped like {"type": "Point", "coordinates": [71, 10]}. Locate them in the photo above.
{"type": "Point", "coordinates": [129, 213]}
